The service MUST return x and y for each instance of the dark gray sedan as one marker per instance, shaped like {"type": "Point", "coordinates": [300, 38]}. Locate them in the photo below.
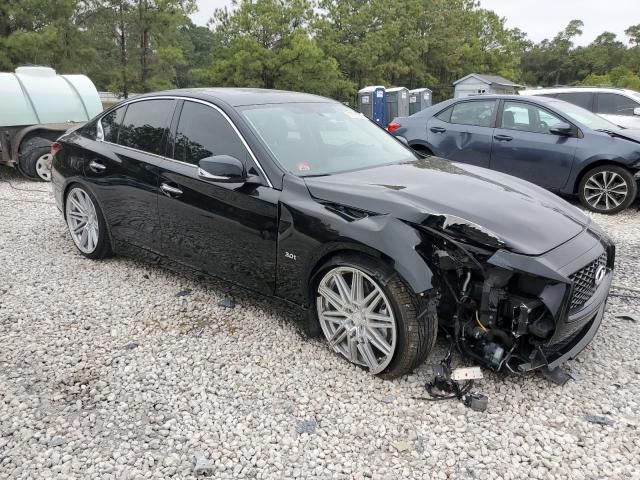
{"type": "Point", "coordinates": [546, 141]}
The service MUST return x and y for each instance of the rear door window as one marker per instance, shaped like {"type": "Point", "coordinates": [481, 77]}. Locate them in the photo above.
{"type": "Point", "coordinates": [111, 124]}
{"type": "Point", "coordinates": [445, 115]}
{"type": "Point", "coordinates": [615, 104]}
{"type": "Point", "coordinates": [582, 99]}
{"type": "Point", "coordinates": [478, 113]}
{"type": "Point", "coordinates": [204, 132]}
{"type": "Point", "coordinates": [145, 124]}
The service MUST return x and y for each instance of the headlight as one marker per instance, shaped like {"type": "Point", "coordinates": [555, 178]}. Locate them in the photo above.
{"type": "Point", "coordinates": [464, 231]}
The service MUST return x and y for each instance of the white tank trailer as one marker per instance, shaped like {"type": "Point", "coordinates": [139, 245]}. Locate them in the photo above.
{"type": "Point", "coordinates": [37, 106]}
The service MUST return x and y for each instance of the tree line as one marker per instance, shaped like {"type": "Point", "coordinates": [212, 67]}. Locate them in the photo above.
{"type": "Point", "coordinates": [328, 47]}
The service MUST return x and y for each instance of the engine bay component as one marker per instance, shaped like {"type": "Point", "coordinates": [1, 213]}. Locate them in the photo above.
{"type": "Point", "coordinates": [513, 312]}
{"type": "Point", "coordinates": [452, 384]}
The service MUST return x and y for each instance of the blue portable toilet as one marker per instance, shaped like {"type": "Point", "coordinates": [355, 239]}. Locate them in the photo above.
{"type": "Point", "coordinates": [372, 104]}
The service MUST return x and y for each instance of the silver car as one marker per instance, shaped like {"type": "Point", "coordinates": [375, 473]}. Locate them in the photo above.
{"type": "Point", "coordinates": [617, 105]}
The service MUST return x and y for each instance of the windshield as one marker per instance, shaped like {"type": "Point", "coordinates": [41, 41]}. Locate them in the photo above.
{"type": "Point", "coordinates": [583, 116]}
{"type": "Point", "coordinates": [323, 138]}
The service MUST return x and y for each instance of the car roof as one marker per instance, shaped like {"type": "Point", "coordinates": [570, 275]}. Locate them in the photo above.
{"type": "Point", "coordinates": [243, 96]}
{"type": "Point", "coordinates": [506, 97]}
{"type": "Point", "coordinates": [542, 91]}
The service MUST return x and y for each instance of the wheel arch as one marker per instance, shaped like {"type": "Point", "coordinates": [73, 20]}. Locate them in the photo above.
{"type": "Point", "coordinates": [324, 262]}
{"type": "Point", "coordinates": [421, 145]}
{"type": "Point", "coordinates": [48, 131]}
{"type": "Point", "coordinates": [415, 274]}
{"type": "Point", "coordinates": [65, 191]}
{"type": "Point", "coordinates": [595, 164]}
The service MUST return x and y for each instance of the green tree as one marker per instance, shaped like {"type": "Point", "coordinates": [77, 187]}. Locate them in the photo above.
{"type": "Point", "coordinates": [416, 43]}
{"type": "Point", "coordinates": [550, 62]}
{"type": "Point", "coordinates": [266, 43]}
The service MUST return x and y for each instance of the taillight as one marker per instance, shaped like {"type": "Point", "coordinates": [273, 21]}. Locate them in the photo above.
{"type": "Point", "coordinates": [55, 148]}
{"type": "Point", "coordinates": [393, 126]}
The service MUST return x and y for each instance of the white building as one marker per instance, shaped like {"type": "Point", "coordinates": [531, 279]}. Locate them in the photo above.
{"type": "Point", "coordinates": [478, 84]}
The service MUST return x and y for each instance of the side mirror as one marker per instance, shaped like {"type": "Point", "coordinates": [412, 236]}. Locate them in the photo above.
{"type": "Point", "coordinates": [223, 169]}
{"type": "Point", "coordinates": [562, 129]}
{"type": "Point", "coordinates": [636, 111]}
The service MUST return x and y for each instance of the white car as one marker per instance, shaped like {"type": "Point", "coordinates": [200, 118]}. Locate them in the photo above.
{"type": "Point", "coordinates": [617, 105]}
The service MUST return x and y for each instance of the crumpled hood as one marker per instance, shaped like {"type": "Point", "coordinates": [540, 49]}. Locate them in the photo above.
{"type": "Point", "coordinates": [527, 219]}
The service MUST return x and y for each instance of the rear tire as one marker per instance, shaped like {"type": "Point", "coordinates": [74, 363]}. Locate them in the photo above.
{"type": "Point", "coordinates": [607, 189]}
{"type": "Point", "coordinates": [397, 349]}
{"type": "Point", "coordinates": [34, 160]}
{"type": "Point", "coordinates": [86, 223]}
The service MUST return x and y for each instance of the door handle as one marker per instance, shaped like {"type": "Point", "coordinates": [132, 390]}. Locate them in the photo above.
{"type": "Point", "coordinates": [97, 167]}
{"type": "Point", "coordinates": [438, 129]}
{"type": "Point", "coordinates": [503, 138]}
{"type": "Point", "coordinates": [170, 191]}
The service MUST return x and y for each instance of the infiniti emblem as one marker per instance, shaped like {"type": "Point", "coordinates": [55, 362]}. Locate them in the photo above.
{"type": "Point", "coordinates": [601, 271]}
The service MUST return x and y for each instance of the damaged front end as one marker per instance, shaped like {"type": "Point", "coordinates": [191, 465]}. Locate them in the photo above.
{"type": "Point", "coordinates": [512, 311]}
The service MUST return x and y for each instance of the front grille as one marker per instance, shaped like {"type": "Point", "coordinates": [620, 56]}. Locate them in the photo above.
{"type": "Point", "coordinates": [584, 282]}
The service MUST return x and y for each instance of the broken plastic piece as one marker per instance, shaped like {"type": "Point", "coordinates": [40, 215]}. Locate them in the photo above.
{"type": "Point", "coordinates": [469, 373]}
{"type": "Point", "coordinates": [557, 375]}
{"type": "Point", "coordinates": [476, 401]}
{"type": "Point", "coordinates": [201, 465]}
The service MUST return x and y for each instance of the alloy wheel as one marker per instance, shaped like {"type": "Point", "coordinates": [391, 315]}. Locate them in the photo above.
{"type": "Point", "coordinates": [82, 220]}
{"type": "Point", "coordinates": [43, 167]}
{"type": "Point", "coordinates": [356, 318]}
{"type": "Point", "coordinates": [605, 190]}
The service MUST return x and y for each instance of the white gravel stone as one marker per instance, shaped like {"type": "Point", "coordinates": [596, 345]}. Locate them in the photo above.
{"type": "Point", "coordinates": [235, 383]}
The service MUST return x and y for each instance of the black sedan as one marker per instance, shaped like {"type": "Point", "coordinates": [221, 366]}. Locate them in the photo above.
{"type": "Point", "coordinates": [298, 197]}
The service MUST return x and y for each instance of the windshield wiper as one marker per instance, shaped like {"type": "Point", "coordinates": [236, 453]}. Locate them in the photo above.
{"type": "Point", "coordinates": [610, 132]}
{"type": "Point", "coordinates": [314, 175]}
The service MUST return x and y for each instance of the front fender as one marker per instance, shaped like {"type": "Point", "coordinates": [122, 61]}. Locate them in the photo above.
{"type": "Point", "coordinates": [309, 233]}
{"type": "Point", "coordinates": [593, 161]}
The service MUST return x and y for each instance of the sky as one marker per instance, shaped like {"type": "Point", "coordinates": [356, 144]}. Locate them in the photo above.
{"type": "Point", "coordinates": [540, 19]}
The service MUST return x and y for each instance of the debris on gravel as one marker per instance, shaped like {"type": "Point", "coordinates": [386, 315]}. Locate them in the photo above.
{"type": "Point", "coordinates": [600, 420]}
{"type": "Point", "coordinates": [201, 465]}
{"type": "Point", "coordinates": [233, 384]}
{"type": "Point", "coordinates": [307, 426]}
{"type": "Point", "coordinates": [627, 316]}
{"type": "Point", "coordinates": [56, 442]}
{"type": "Point", "coordinates": [227, 303]}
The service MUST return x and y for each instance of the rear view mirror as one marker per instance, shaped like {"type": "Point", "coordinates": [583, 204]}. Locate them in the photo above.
{"type": "Point", "coordinates": [636, 111]}
{"type": "Point", "coordinates": [562, 129]}
{"type": "Point", "coordinates": [222, 168]}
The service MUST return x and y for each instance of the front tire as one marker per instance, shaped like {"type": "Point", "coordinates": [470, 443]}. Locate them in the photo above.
{"type": "Point", "coordinates": [607, 189]}
{"type": "Point", "coordinates": [86, 224]}
{"type": "Point", "coordinates": [370, 316]}
{"type": "Point", "coordinates": [35, 159]}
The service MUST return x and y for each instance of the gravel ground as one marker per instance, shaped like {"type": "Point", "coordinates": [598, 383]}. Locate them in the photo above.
{"type": "Point", "coordinates": [106, 372]}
